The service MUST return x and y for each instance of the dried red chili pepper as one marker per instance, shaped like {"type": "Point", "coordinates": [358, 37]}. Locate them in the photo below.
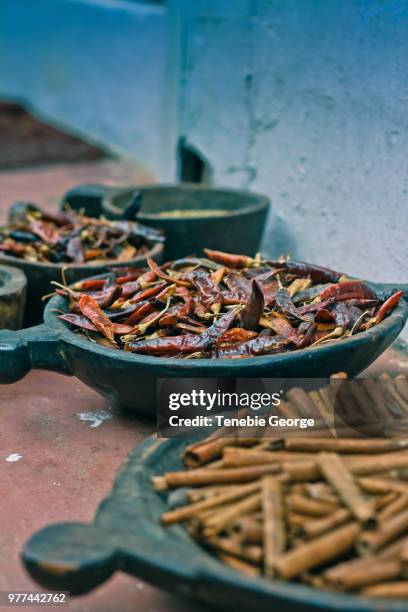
{"type": "Point", "coordinates": [147, 293]}
{"type": "Point", "coordinates": [210, 294]}
{"type": "Point", "coordinates": [347, 291]}
{"type": "Point", "coordinates": [388, 305]}
{"type": "Point", "coordinates": [234, 335]}
{"type": "Point", "coordinates": [228, 259]}
{"type": "Point", "coordinates": [317, 273]}
{"type": "Point", "coordinates": [167, 346]}
{"type": "Point", "coordinates": [139, 312]}
{"type": "Point", "coordinates": [91, 309]}
{"type": "Point", "coordinates": [160, 274]}
{"type": "Point", "coordinates": [285, 305]}
{"type": "Point", "coordinates": [254, 307]}
{"type": "Point", "coordinates": [263, 345]}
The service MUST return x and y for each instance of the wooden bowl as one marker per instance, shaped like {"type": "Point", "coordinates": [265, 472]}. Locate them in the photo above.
{"type": "Point", "coordinates": [13, 289]}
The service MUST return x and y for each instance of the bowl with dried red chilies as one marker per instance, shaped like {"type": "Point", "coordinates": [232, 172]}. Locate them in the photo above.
{"type": "Point", "coordinates": [192, 216]}
{"type": "Point", "coordinates": [221, 315]}
{"type": "Point", "coordinates": [45, 244]}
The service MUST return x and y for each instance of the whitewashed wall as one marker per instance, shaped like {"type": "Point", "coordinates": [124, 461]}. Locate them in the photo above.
{"type": "Point", "coordinates": [307, 102]}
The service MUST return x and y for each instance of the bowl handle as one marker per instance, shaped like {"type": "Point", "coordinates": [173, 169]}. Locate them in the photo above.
{"type": "Point", "coordinates": [72, 557]}
{"type": "Point", "coordinates": [33, 348]}
{"type": "Point", "coordinates": [91, 197]}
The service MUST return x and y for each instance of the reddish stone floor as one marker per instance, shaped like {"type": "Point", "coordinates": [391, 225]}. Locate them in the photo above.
{"type": "Point", "coordinates": [66, 468]}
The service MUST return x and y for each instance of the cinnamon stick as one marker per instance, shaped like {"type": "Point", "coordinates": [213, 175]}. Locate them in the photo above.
{"type": "Point", "coordinates": [396, 506]}
{"type": "Point", "coordinates": [387, 590]}
{"type": "Point", "coordinates": [185, 512]}
{"type": "Point", "coordinates": [316, 552]}
{"type": "Point", "coordinates": [225, 545]}
{"type": "Point", "coordinates": [373, 571]}
{"type": "Point", "coordinates": [274, 522]}
{"type": "Point", "coordinates": [382, 485]}
{"type": "Point", "coordinates": [302, 402]}
{"type": "Point", "coordinates": [249, 530]}
{"type": "Point", "coordinates": [234, 457]}
{"type": "Point", "coordinates": [312, 507]}
{"type": "Point", "coordinates": [238, 564]}
{"type": "Point", "coordinates": [401, 385]}
{"type": "Point", "coordinates": [371, 541]}
{"type": "Point", "coordinates": [202, 476]}
{"type": "Point", "coordinates": [216, 522]}
{"type": "Point", "coordinates": [345, 445]}
{"type": "Point", "coordinates": [316, 527]}
{"type": "Point", "coordinates": [338, 476]}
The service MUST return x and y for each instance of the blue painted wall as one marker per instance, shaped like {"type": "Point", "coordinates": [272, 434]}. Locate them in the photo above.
{"type": "Point", "coordinates": [100, 67]}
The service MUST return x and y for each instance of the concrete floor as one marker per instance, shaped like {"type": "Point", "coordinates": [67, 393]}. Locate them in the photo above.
{"type": "Point", "coordinates": [65, 465]}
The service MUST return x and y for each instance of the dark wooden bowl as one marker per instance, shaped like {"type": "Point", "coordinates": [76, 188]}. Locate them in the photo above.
{"type": "Point", "coordinates": [39, 276]}
{"type": "Point", "coordinates": [126, 535]}
{"type": "Point", "coordinates": [130, 379]}
{"type": "Point", "coordinates": [239, 230]}
{"type": "Point", "coordinates": [13, 289]}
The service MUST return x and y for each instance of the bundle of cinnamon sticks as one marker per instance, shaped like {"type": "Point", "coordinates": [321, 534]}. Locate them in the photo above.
{"type": "Point", "coordinates": [328, 512]}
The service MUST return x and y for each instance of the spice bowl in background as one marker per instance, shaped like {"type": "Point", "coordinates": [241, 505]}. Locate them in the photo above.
{"type": "Point", "coordinates": [191, 216]}
{"type": "Point", "coordinates": [41, 271]}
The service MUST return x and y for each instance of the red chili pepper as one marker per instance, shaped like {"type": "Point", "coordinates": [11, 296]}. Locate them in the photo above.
{"type": "Point", "coordinates": [342, 315]}
{"type": "Point", "coordinates": [234, 335]}
{"type": "Point", "coordinates": [317, 273]}
{"type": "Point", "coordinates": [254, 307]}
{"type": "Point", "coordinates": [187, 298]}
{"type": "Point", "coordinates": [200, 310]}
{"type": "Point", "coordinates": [304, 340]}
{"type": "Point", "coordinates": [141, 310]}
{"type": "Point", "coordinates": [285, 305]}
{"type": "Point", "coordinates": [90, 285]}
{"type": "Point", "coordinates": [171, 316]}
{"type": "Point", "coordinates": [84, 323]}
{"type": "Point", "coordinates": [147, 293]}
{"type": "Point", "coordinates": [281, 327]}
{"type": "Point", "coordinates": [128, 278]}
{"type": "Point", "coordinates": [78, 321]}
{"type": "Point", "coordinates": [228, 259]}
{"type": "Point", "coordinates": [325, 315]}
{"type": "Point", "coordinates": [146, 278]}
{"type": "Point", "coordinates": [262, 345]}
{"type": "Point", "coordinates": [129, 288]}
{"type": "Point", "coordinates": [190, 329]}
{"type": "Point", "coordinates": [388, 305]}
{"type": "Point", "coordinates": [347, 291]}
{"type": "Point", "coordinates": [230, 298]}
{"type": "Point", "coordinates": [235, 281]}
{"type": "Point", "coordinates": [315, 307]}
{"type": "Point", "coordinates": [91, 309]}
{"type": "Point", "coordinates": [210, 294]}
{"type": "Point", "coordinates": [160, 274]}
{"type": "Point", "coordinates": [363, 304]}
{"type": "Point", "coordinates": [108, 296]}
{"type": "Point", "coordinates": [167, 346]}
